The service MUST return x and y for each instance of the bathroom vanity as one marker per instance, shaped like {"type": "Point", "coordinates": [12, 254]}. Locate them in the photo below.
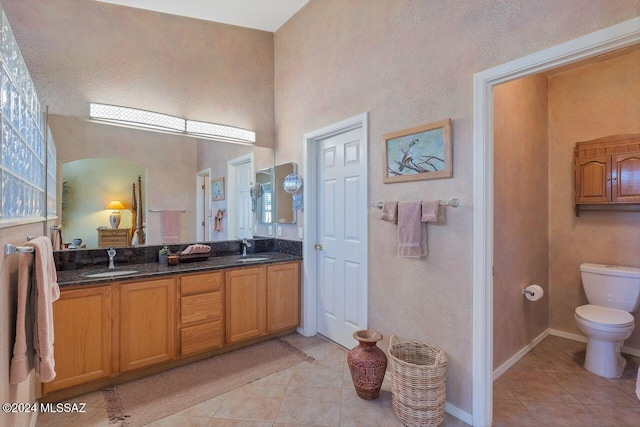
{"type": "Point", "coordinates": [111, 329]}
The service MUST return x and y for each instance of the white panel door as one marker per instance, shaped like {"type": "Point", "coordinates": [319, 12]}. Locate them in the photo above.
{"type": "Point", "coordinates": [243, 212]}
{"type": "Point", "coordinates": [342, 290]}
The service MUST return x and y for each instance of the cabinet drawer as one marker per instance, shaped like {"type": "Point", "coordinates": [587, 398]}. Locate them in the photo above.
{"type": "Point", "coordinates": [116, 239]}
{"type": "Point", "coordinates": [198, 283]}
{"type": "Point", "coordinates": [200, 308]}
{"type": "Point", "coordinates": [113, 233]}
{"type": "Point", "coordinates": [200, 338]}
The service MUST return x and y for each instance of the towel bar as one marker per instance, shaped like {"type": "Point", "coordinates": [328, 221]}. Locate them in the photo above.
{"type": "Point", "coordinates": [454, 203]}
{"type": "Point", "coordinates": [11, 249]}
{"type": "Point", "coordinates": [160, 210]}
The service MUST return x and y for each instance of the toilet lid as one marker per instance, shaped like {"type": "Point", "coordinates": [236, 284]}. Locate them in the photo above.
{"type": "Point", "coordinates": [604, 315]}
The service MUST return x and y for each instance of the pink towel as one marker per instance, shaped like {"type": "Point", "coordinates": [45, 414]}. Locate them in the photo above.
{"type": "Point", "coordinates": [218, 220]}
{"type": "Point", "coordinates": [37, 290]}
{"type": "Point", "coordinates": [389, 212]}
{"type": "Point", "coordinates": [412, 233]}
{"type": "Point", "coordinates": [196, 249]}
{"type": "Point", "coordinates": [170, 226]}
{"type": "Point", "coordinates": [430, 210]}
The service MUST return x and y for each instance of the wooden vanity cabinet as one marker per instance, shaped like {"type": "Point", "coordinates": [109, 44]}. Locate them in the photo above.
{"type": "Point", "coordinates": [83, 336]}
{"type": "Point", "coordinates": [245, 303]}
{"type": "Point", "coordinates": [283, 296]}
{"type": "Point", "coordinates": [201, 312]}
{"type": "Point", "coordinates": [147, 323]}
{"type": "Point", "coordinates": [607, 171]}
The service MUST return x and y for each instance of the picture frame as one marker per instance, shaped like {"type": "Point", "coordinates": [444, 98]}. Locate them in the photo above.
{"type": "Point", "coordinates": [418, 153]}
{"type": "Point", "coordinates": [217, 189]}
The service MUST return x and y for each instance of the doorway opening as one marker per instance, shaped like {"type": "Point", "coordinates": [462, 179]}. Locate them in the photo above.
{"type": "Point", "coordinates": [203, 205]}
{"type": "Point", "coordinates": [600, 42]}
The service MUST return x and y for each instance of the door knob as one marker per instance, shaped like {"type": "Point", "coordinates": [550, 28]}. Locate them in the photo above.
{"type": "Point", "coordinates": [318, 247]}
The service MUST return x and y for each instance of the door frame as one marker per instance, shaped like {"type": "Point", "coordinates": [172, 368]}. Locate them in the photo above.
{"type": "Point", "coordinates": [207, 206]}
{"type": "Point", "coordinates": [310, 218]}
{"type": "Point", "coordinates": [617, 36]}
{"type": "Point", "coordinates": [230, 192]}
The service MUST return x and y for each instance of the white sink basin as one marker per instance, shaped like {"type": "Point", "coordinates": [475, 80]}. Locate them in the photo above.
{"type": "Point", "coordinates": [252, 259]}
{"type": "Point", "coordinates": [110, 273]}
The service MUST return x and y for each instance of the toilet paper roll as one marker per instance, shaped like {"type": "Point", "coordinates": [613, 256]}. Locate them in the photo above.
{"type": "Point", "coordinates": [534, 292]}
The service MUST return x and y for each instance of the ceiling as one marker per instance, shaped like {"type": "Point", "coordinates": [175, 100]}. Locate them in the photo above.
{"type": "Point", "coordinates": [266, 15]}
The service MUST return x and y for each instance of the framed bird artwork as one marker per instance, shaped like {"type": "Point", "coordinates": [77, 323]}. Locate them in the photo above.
{"type": "Point", "coordinates": [421, 152]}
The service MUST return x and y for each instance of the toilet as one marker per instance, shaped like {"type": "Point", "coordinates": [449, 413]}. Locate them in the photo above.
{"type": "Point", "coordinates": [613, 293]}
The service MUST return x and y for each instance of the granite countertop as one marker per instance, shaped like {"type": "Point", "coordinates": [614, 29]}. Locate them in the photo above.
{"type": "Point", "coordinates": [69, 278]}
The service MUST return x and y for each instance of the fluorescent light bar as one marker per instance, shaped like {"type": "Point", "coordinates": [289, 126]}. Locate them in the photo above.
{"type": "Point", "coordinates": [159, 121]}
{"type": "Point", "coordinates": [134, 116]}
{"type": "Point", "coordinates": [216, 130]}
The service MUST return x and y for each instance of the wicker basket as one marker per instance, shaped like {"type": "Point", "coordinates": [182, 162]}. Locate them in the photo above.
{"type": "Point", "coordinates": [418, 382]}
{"type": "Point", "coordinates": [194, 257]}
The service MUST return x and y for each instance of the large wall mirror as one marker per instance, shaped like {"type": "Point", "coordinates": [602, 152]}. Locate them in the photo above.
{"type": "Point", "coordinates": [100, 162]}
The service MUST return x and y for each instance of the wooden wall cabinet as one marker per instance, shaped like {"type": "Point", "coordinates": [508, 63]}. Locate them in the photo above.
{"type": "Point", "coordinates": [607, 171]}
{"type": "Point", "coordinates": [245, 304]}
{"type": "Point", "coordinates": [147, 323]}
{"type": "Point", "coordinates": [201, 312]}
{"type": "Point", "coordinates": [82, 347]}
{"type": "Point", "coordinates": [283, 296]}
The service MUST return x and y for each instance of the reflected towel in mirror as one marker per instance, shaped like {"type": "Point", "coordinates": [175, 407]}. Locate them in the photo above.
{"type": "Point", "coordinates": [170, 226]}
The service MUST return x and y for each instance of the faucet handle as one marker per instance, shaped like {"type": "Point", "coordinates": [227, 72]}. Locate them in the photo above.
{"type": "Point", "coordinates": [111, 252]}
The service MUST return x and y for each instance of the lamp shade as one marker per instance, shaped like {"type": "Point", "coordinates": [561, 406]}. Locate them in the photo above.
{"type": "Point", "coordinates": [115, 205]}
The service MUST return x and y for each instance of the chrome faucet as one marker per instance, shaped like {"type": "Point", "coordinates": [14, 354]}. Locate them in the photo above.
{"type": "Point", "coordinates": [112, 253]}
{"type": "Point", "coordinates": [245, 244]}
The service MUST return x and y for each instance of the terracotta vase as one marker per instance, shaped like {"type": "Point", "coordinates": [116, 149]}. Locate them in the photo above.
{"type": "Point", "coordinates": [367, 364]}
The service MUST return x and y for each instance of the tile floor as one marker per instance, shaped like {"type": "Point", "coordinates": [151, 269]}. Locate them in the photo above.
{"type": "Point", "coordinates": [549, 387]}
{"type": "Point", "coordinates": [309, 394]}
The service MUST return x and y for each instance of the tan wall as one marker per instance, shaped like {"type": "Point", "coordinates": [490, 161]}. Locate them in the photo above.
{"type": "Point", "coordinates": [88, 51]}
{"type": "Point", "coordinates": [409, 63]}
{"type": "Point", "coordinates": [592, 101]}
{"type": "Point", "coordinates": [520, 201]}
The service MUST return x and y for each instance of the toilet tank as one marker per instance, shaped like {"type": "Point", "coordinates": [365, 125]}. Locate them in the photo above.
{"type": "Point", "coordinates": [612, 286]}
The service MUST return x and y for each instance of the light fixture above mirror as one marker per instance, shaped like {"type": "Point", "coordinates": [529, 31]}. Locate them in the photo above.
{"type": "Point", "coordinates": [166, 123]}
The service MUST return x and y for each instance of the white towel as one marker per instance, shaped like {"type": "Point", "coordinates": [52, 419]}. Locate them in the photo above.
{"type": "Point", "coordinates": [37, 290]}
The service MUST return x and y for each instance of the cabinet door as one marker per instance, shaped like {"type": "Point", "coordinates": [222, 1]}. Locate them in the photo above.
{"type": "Point", "coordinates": [592, 179]}
{"type": "Point", "coordinates": [625, 178]}
{"type": "Point", "coordinates": [283, 296]}
{"type": "Point", "coordinates": [147, 323]}
{"type": "Point", "coordinates": [245, 304]}
{"type": "Point", "coordinates": [82, 324]}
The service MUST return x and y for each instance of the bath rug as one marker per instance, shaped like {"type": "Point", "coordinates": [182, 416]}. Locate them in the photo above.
{"type": "Point", "coordinates": [157, 396]}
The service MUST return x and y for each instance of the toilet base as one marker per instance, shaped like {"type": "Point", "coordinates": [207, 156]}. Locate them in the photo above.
{"type": "Point", "coordinates": [603, 358]}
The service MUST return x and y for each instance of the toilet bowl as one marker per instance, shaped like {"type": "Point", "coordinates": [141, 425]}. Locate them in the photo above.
{"type": "Point", "coordinates": [613, 293]}
{"type": "Point", "coordinates": [606, 329]}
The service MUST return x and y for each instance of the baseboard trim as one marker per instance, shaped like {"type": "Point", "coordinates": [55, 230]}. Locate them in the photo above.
{"type": "Point", "coordinates": [582, 338]}
{"type": "Point", "coordinates": [519, 355]}
{"type": "Point", "coordinates": [449, 408]}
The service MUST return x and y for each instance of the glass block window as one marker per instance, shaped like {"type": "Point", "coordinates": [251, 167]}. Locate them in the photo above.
{"type": "Point", "coordinates": [216, 130]}
{"type": "Point", "coordinates": [24, 155]}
